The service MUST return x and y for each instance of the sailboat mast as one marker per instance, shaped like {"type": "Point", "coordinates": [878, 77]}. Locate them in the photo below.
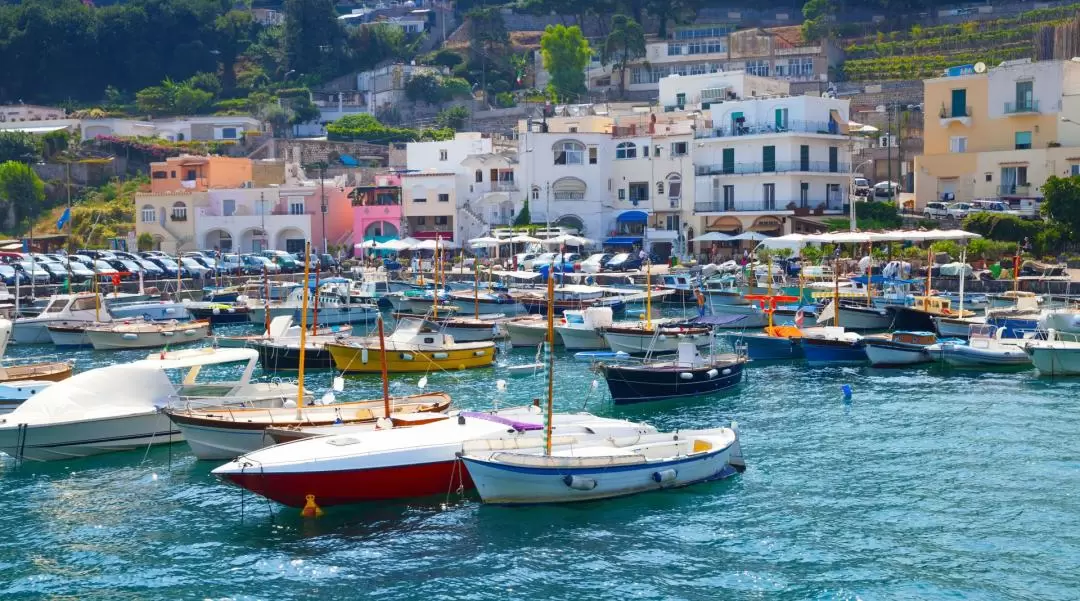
{"type": "Point", "coordinates": [382, 366]}
{"type": "Point", "coordinates": [435, 292]}
{"type": "Point", "coordinates": [648, 295]}
{"type": "Point", "coordinates": [869, 273]}
{"type": "Point", "coordinates": [929, 271]}
{"type": "Point", "coordinates": [315, 311]}
{"type": "Point", "coordinates": [476, 290]}
{"type": "Point", "coordinates": [1016, 269]}
{"type": "Point", "coordinates": [551, 361]}
{"type": "Point", "coordinates": [963, 276]}
{"type": "Point", "coordinates": [303, 334]}
{"type": "Point", "coordinates": [266, 300]}
{"type": "Point", "coordinates": [836, 292]}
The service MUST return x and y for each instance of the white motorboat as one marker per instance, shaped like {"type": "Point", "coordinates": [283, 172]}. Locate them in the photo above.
{"type": "Point", "coordinates": [488, 302]}
{"type": "Point", "coordinates": [69, 335]}
{"type": "Point", "coordinates": [146, 334]}
{"type": "Point", "coordinates": [71, 309]}
{"type": "Point", "coordinates": [332, 309]}
{"type": "Point", "coordinates": [193, 392]}
{"type": "Point", "coordinates": [114, 408]}
{"type": "Point", "coordinates": [527, 330]}
{"type": "Point", "coordinates": [580, 470]}
{"type": "Point", "coordinates": [1057, 355]}
{"type": "Point", "coordinates": [13, 394]}
{"type": "Point", "coordinates": [416, 301]}
{"type": "Point", "coordinates": [956, 327]}
{"type": "Point", "coordinates": [660, 337]}
{"type": "Point", "coordinates": [227, 433]}
{"type": "Point", "coordinates": [1065, 320]}
{"type": "Point", "coordinates": [854, 317]}
{"type": "Point", "coordinates": [898, 348]}
{"type": "Point", "coordinates": [463, 329]}
{"type": "Point", "coordinates": [362, 464]}
{"type": "Point", "coordinates": [986, 348]}
{"type": "Point", "coordinates": [582, 328]}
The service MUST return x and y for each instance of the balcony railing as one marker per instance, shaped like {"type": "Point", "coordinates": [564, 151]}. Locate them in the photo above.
{"type": "Point", "coordinates": [1014, 189]}
{"type": "Point", "coordinates": [740, 168]}
{"type": "Point", "coordinates": [568, 195]}
{"type": "Point", "coordinates": [830, 206]}
{"type": "Point", "coordinates": [766, 128]}
{"type": "Point", "coordinates": [1027, 106]}
{"type": "Point", "coordinates": [504, 186]}
{"type": "Point", "coordinates": [955, 113]}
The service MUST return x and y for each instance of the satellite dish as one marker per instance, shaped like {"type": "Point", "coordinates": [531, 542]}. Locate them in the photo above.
{"type": "Point", "coordinates": [980, 67]}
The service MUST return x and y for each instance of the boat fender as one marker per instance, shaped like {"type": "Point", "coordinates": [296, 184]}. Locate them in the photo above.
{"type": "Point", "coordinates": [216, 311]}
{"type": "Point", "coordinates": [478, 353]}
{"type": "Point", "coordinates": [168, 334]}
{"type": "Point", "coordinates": [579, 482]}
{"type": "Point", "coordinates": [662, 337]}
{"type": "Point", "coordinates": [289, 404]}
{"type": "Point", "coordinates": [686, 375]}
{"type": "Point", "coordinates": [311, 509]}
{"type": "Point", "coordinates": [406, 357]}
{"type": "Point", "coordinates": [169, 310]}
{"type": "Point", "coordinates": [363, 355]}
{"type": "Point", "coordinates": [664, 476]}
{"type": "Point", "coordinates": [712, 373]}
{"type": "Point", "coordinates": [461, 420]}
{"type": "Point", "coordinates": [727, 371]}
{"type": "Point", "coordinates": [189, 332]}
{"type": "Point", "coordinates": [440, 355]}
{"type": "Point", "coordinates": [384, 423]}
{"type": "Point", "coordinates": [130, 336]}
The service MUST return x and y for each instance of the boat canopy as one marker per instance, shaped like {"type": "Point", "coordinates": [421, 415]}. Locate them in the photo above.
{"type": "Point", "coordinates": [883, 281]}
{"type": "Point", "coordinates": [197, 357]}
{"type": "Point", "coordinates": [96, 394]}
{"type": "Point", "coordinates": [800, 240]}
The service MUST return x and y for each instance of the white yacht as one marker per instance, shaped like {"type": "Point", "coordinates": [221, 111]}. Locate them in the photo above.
{"type": "Point", "coordinates": [62, 309]}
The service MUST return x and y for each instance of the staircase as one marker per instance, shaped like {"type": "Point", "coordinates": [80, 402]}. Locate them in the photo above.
{"type": "Point", "coordinates": [479, 227]}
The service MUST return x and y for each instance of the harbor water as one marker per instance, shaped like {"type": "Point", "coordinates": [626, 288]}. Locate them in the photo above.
{"type": "Point", "coordinates": [925, 484]}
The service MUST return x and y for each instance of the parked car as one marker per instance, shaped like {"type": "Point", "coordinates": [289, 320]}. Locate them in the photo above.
{"type": "Point", "coordinates": [595, 263]}
{"type": "Point", "coordinates": [150, 270]}
{"type": "Point", "coordinates": [539, 261]}
{"type": "Point", "coordinates": [861, 186]}
{"type": "Point", "coordinates": [169, 266]}
{"type": "Point", "coordinates": [284, 260]}
{"type": "Point", "coordinates": [327, 262]}
{"type": "Point", "coordinates": [886, 189]}
{"type": "Point", "coordinates": [259, 262]}
{"type": "Point", "coordinates": [96, 254]}
{"type": "Point", "coordinates": [85, 260]}
{"type": "Point", "coordinates": [103, 270]}
{"type": "Point", "coordinates": [57, 272]}
{"type": "Point", "coordinates": [627, 262]}
{"type": "Point", "coordinates": [992, 206]}
{"type": "Point", "coordinates": [128, 270]}
{"type": "Point", "coordinates": [79, 271]}
{"type": "Point", "coordinates": [126, 256]}
{"type": "Point", "coordinates": [959, 210]}
{"type": "Point", "coordinates": [313, 261]}
{"type": "Point", "coordinates": [153, 253]}
{"type": "Point", "coordinates": [196, 268]}
{"type": "Point", "coordinates": [522, 258]}
{"type": "Point", "coordinates": [8, 274]}
{"type": "Point", "coordinates": [935, 210]}
{"type": "Point", "coordinates": [34, 272]}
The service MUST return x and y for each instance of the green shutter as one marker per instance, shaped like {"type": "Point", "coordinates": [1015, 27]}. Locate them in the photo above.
{"type": "Point", "coordinates": [804, 158]}
{"type": "Point", "coordinates": [768, 158]}
{"type": "Point", "coordinates": [959, 103]}
{"type": "Point", "coordinates": [833, 160]}
{"type": "Point", "coordinates": [729, 160]}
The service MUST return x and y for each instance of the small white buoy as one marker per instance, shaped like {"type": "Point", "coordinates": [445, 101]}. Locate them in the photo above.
{"type": "Point", "coordinates": [339, 384]}
{"type": "Point", "coordinates": [422, 383]}
{"type": "Point", "coordinates": [686, 375]}
{"type": "Point", "coordinates": [500, 385]}
{"type": "Point", "coordinates": [327, 399]}
{"type": "Point", "coordinates": [595, 384]}
{"type": "Point", "coordinates": [440, 355]}
{"type": "Point", "coordinates": [383, 423]}
{"type": "Point", "coordinates": [363, 355]}
{"type": "Point", "coordinates": [712, 373]}
{"type": "Point", "coordinates": [289, 404]}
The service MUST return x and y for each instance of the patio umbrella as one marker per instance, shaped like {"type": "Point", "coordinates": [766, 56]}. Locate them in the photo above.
{"type": "Point", "coordinates": [484, 242]}
{"type": "Point", "coordinates": [430, 245]}
{"type": "Point", "coordinates": [754, 236]}
{"type": "Point", "coordinates": [523, 239]}
{"type": "Point", "coordinates": [368, 244]}
{"type": "Point", "coordinates": [568, 240]}
{"type": "Point", "coordinates": [395, 245]}
{"type": "Point", "coordinates": [792, 241]}
{"type": "Point", "coordinates": [713, 237]}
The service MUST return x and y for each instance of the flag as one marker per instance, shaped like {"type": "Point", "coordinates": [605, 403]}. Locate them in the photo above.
{"type": "Point", "coordinates": [60, 223]}
{"type": "Point", "coordinates": [799, 317]}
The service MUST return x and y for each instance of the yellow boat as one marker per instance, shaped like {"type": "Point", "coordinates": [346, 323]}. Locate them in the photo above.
{"type": "Point", "coordinates": [411, 347]}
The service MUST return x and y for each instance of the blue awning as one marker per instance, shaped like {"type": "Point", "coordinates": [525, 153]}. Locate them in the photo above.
{"type": "Point", "coordinates": [633, 217]}
{"type": "Point", "coordinates": [623, 240]}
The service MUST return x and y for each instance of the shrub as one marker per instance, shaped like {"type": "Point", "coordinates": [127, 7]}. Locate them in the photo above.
{"type": "Point", "coordinates": [1002, 227]}
{"type": "Point", "coordinates": [505, 100]}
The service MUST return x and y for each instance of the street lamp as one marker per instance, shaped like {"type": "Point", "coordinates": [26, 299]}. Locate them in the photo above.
{"type": "Point", "coordinates": [851, 191]}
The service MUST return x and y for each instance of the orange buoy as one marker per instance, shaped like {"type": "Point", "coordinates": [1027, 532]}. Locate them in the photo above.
{"type": "Point", "coordinates": [311, 510]}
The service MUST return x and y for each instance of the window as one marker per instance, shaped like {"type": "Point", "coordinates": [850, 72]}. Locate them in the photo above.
{"type": "Point", "coordinates": [768, 158]}
{"type": "Point", "coordinates": [479, 176]}
{"type": "Point", "coordinates": [444, 198]}
{"type": "Point", "coordinates": [674, 186]}
{"type": "Point", "coordinates": [179, 211]}
{"type": "Point", "coordinates": [1012, 177]}
{"type": "Point", "coordinates": [804, 194]}
{"type": "Point", "coordinates": [639, 192]}
{"type": "Point", "coordinates": [989, 176]}
{"type": "Point", "coordinates": [675, 49]}
{"type": "Point", "coordinates": [189, 175]}
{"type": "Point", "coordinates": [626, 150]}
{"type": "Point", "coordinates": [228, 207]}
{"type": "Point", "coordinates": [660, 188]}
{"type": "Point", "coordinates": [441, 220]}
{"type": "Point", "coordinates": [680, 100]}
{"type": "Point", "coordinates": [296, 207]}
{"type": "Point", "coordinates": [1074, 169]}
{"type": "Point", "coordinates": [781, 121]}
{"type": "Point", "coordinates": [148, 214]}
{"type": "Point", "coordinates": [729, 160]}
{"type": "Point", "coordinates": [179, 137]}
{"type": "Point", "coordinates": [159, 175]}
{"type": "Point", "coordinates": [536, 192]}
{"type": "Point", "coordinates": [442, 154]}
{"type": "Point", "coordinates": [759, 68]}
{"type": "Point", "coordinates": [832, 194]}
{"type": "Point", "coordinates": [804, 158]}
{"type": "Point", "coordinates": [672, 223]}
{"type": "Point", "coordinates": [172, 174]}
{"type": "Point", "coordinates": [622, 193]}
{"type": "Point", "coordinates": [729, 198]}
{"type": "Point", "coordinates": [227, 133]}
{"type": "Point", "coordinates": [1025, 96]}
{"type": "Point", "coordinates": [568, 188]}
{"type": "Point", "coordinates": [569, 153]}
{"type": "Point", "coordinates": [592, 155]}
{"type": "Point", "coordinates": [834, 159]}
{"type": "Point", "coordinates": [645, 150]}
{"type": "Point", "coordinates": [768, 192]}
{"type": "Point", "coordinates": [419, 200]}
{"type": "Point", "coordinates": [421, 221]}
{"type": "Point", "coordinates": [1023, 140]}
{"type": "Point", "coordinates": [959, 103]}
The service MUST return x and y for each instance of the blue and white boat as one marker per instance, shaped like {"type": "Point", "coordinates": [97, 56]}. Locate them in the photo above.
{"type": "Point", "coordinates": [985, 349]}
{"type": "Point", "coordinates": [763, 346]}
{"type": "Point", "coordinates": [898, 348]}
{"type": "Point", "coordinates": [833, 346]}
{"type": "Point", "coordinates": [150, 311]}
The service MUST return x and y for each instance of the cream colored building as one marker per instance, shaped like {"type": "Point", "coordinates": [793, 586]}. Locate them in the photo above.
{"type": "Point", "coordinates": [1000, 134]}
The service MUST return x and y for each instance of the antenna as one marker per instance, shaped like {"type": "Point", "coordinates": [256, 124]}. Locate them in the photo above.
{"type": "Point", "coordinates": [980, 67]}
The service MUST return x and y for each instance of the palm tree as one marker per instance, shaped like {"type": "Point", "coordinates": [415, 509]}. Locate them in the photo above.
{"type": "Point", "coordinates": [624, 44]}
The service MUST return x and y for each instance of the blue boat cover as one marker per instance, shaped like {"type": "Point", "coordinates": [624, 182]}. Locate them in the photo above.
{"type": "Point", "coordinates": [717, 320]}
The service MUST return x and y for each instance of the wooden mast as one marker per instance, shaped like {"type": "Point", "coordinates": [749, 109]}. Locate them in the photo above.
{"type": "Point", "coordinates": [266, 300]}
{"type": "Point", "coordinates": [303, 334]}
{"type": "Point", "coordinates": [435, 292]}
{"type": "Point", "coordinates": [382, 365]}
{"type": "Point", "coordinates": [476, 290]}
{"type": "Point", "coordinates": [551, 361]}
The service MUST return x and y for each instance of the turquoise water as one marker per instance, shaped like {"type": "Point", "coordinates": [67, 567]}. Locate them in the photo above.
{"type": "Point", "coordinates": [927, 484]}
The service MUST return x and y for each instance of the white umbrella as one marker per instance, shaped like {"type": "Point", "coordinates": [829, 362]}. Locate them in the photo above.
{"type": "Point", "coordinates": [755, 236]}
{"type": "Point", "coordinates": [430, 245]}
{"type": "Point", "coordinates": [484, 242]}
{"type": "Point", "coordinates": [395, 245]}
{"type": "Point", "coordinates": [713, 237]}
{"type": "Point", "coordinates": [523, 239]}
{"type": "Point", "coordinates": [367, 244]}
{"type": "Point", "coordinates": [568, 240]}
{"type": "Point", "coordinates": [961, 235]}
{"type": "Point", "coordinates": [786, 241]}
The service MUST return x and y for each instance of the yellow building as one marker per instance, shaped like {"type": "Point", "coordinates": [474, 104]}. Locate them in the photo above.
{"type": "Point", "coordinates": [998, 134]}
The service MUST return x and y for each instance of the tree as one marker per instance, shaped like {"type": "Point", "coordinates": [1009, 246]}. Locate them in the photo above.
{"type": "Point", "coordinates": [303, 110]}
{"type": "Point", "coordinates": [454, 117]}
{"type": "Point", "coordinates": [21, 189]}
{"type": "Point", "coordinates": [234, 31]}
{"type": "Point", "coordinates": [816, 14]}
{"type": "Point", "coordinates": [145, 242]}
{"type": "Point", "coordinates": [154, 100]}
{"type": "Point", "coordinates": [566, 53]}
{"type": "Point", "coordinates": [423, 86]}
{"type": "Point", "coordinates": [487, 30]}
{"type": "Point", "coordinates": [1061, 202]}
{"type": "Point", "coordinates": [624, 44]}
{"type": "Point", "coordinates": [277, 116]}
{"type": "Point", "coordinates": [679, 11]}
{"type": "Point", "coordinates": [312, 36]}
{"type": "Point", "coordinates": [19, 146]}
{"type": "Point", "coordinates": [523, 218]}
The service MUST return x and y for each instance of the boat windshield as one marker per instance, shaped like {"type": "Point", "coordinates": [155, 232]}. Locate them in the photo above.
{"type": "Point", "coordinates": [408, 325]}
{"type": "Point", "coordinates": [56, 305]}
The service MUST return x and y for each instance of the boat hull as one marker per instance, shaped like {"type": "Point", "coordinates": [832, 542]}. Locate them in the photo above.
{"type": "Point", "coordinates": [761, 347]}
{"type": "Point", "coordinates": [885, 353]}
{"type": "Point", "coordinates": [110, 340]}
{"type": "Point", "coordinates": [515, 485]}
{"type": "Point", "coordinates": [1063, 321]}
{"type": "Point", "coordinates": [1055, 361]}
{"type": "Point", "coordinates": [858, 318]}
{"type": "Point", "coordinates": [954, 327]}
{"type": "Point", "coordinates": [909, 318]}
{"type": "Point", "coordinates": [522, 335]}
{"type": "Point", "coordinates": [358, 360]}
{"type": "Point", "coordinates": [69, 337]}
{"type": "Point", "coordinates": [280, 357]}
{"type": "Point", "coordinates": [581, 339]}
{"type": "Point", "coordinates": [628, 384]}
{"type": "Point", "coordinates": [833, 352]}
{"type": "Point", "coordinates": [962, 356]}
{"type": "Point", "coordinates": [487, 307]}
{"type": "Point", "coordinates": [56, 442]}
{"type": "Point", "coordinates": [646, 342]}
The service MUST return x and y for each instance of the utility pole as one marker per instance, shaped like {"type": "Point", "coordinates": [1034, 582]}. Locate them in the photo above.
{"type": "Point", "coordinates": [547, 208]}
{"type": "Point", "coordinates": [262, 214]}
{"type": "Point", "coordinates": [888, 136]}
{"type": "Point", "coordinates": [322, 185]}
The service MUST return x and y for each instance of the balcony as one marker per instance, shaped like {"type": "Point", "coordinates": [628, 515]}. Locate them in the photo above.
{"type": "Point", "coordinates": [1021, 190]}
{"type": "Point", "coordinates": [568, 196]}
{"type": "Point", "coordinates": [740, 168]}
{"type": "Point", "coordinates": [1026, 107]}
{"type": "Point", "coordinates": [950, 115]}
{"type": "Point", "coordinates": [504, 186]}
{"type": "Point", "coordinates": [811, 207]}
{"type": "Point", "coordinates": [378, 211]}
{"type": "Point", "coordinates": [829, 128]}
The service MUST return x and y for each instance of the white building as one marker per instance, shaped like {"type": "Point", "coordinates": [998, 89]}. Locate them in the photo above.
{"type": "Point", "coordinates": [701, 91]}
{"type": "Point", "coordinates": [441, 184]}
{"type": "Point", "coordinates": [251, 220]}
{"type": "Point", "coordinates": [385, 86]}
{"type": "Point", "coordinates": [179, 129]}
{"type": "Point", "coordinates": [763, 163]}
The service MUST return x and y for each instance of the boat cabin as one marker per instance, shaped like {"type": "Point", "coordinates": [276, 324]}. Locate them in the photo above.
{"type": "Point", "coordinates": [917, 338]}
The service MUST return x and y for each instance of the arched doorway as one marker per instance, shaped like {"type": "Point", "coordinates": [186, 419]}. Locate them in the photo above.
{"type": "Point", "coordinates": [571, 222]}
{"type": "Point", "coordinates": [769, 225]}
{"type": "Point", "coordinates": [722, 251]}
{"type": "Point", "coordinates": [251, 240]}
{"type": "Point", "coordinates": [218, 239]}
{"type": "Point", "coordinates": [291, 239]}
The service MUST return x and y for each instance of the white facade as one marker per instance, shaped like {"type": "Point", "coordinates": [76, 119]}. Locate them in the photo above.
{"type": "Point", "coordinates": [225, 127]}
{"type": "Point", "coordinates": [385, 86]}
{"type": "Point", "coordinates": [251, 219]}
{"type": "Point", "coordinates": [16, 113]}
{"type": "Point", "coordinates": [696, 90]}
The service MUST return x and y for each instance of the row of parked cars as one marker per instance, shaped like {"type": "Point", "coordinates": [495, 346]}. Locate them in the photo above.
{"type": "Point", "coordinates": [86, 264]}
{"type": "Point", "coordinates": [594, 263]}
{"type": "Point", "coordinates": [959, 210]}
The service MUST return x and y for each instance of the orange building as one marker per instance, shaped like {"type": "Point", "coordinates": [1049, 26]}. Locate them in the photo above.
{"type": "Point", "coordinates": [199, 173]}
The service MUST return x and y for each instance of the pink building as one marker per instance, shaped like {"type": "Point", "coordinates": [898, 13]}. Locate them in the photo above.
{"type": "Point", "coordinates": [338, 207]}
{"type": "Point", "coordinates": [377, 210]}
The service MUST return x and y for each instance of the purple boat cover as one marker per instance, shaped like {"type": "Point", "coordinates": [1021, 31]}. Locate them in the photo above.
{"type": "Point", "coordinates": [519, 426]}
